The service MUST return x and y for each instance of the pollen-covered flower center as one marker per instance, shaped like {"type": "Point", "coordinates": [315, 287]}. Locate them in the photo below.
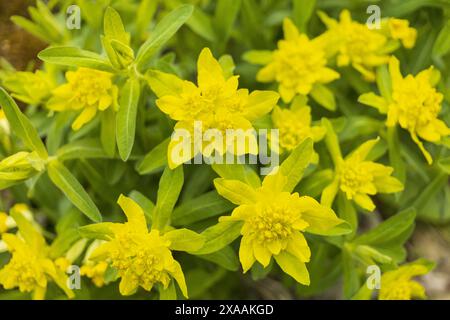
{"type": "Point", "coordinates": [89, 85]}
{"type": "Point", "coordinates": [400, 291]}
{"type": "Point", "coordinates": [416, 103]}
{"type": "Point", "coordinates": [353, 176]}
{"type": "Point", "coordinates": [23, 272]}
{"type": "Point", "coordinates": [292, 133]}
{"type": "Point", "coordinates": [298, 61]}
{"type": "Point", "coordinates": [272, 224]}
{"type": "Point", "coordinates": [360, 42]}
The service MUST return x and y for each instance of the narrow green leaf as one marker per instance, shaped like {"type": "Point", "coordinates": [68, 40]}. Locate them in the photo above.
{"type": "Point", "coordinates": [205, 206]}
{"type": "Point", "coordinates": [113, 26]}
{"type": "Point", "coordinates": [75, 57]}
{"type": "Point", "coordinates": [89, 148]}
{"type": "Point", "coordinates": [108, 131]}
{"type": "Point", "coordinates": [163, 31]}
{"type": "Point", "coordinates": [169, 189]}
{"type": "Point", "coordinates": [219, 236]}
{"type": "Point", "coordinates": [296, 163]}
{"type": "Point", "coordinates": [21, 126]}
{"type": "Point", "coordinates": [324, 96]}
{"type": "Point", "coordinates": [155, 159]}
{"type": "Point", "coordinates": [69, 185]}
{"type": "Point", "coordinates": [302, 12]}
{"type": "Point", "coordinates": [126, 117]}
{"type": "Point", "coordinates": [225, 257]}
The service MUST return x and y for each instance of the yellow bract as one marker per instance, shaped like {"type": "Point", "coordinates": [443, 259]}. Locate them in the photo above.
{"type": "Point", "coordinates": [397, 284]}
{"type": "Point", "coordinates": [294, 125]}
{"type": "Point", "coordinates": [87, 90]}
{"type": "Point", "coordinates": [414, 104]}
{"type": "Point", "coordinates": [358, 178]}
{"type": "Point", "coordinates": [30, 268]}
{"type": "Point", "coordinates": [3, 222]}
{"type": "Point", "coordinates": [215, 102]}
{"type": "Point", "coordinates": [274, 222]}
{"type": "Point", "coordinates": [399, 29]}
{"type": "Point", "coordinates": [297, 65]}
{"type": "Point", "coordinates": [142, 258]}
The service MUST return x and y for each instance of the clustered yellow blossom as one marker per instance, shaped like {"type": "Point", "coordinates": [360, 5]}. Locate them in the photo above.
{"type": "Point", "coordinates": [28, 87]}
{"type": "Point", "coordinates": [294, 125]}
{"type": "Point", "coordinates": [357, 177]}
{"type": "Point", "coordinates": [30, 268]}
{"type": "Point", "coordinates": [142, 258]}
{"type": "Point", "coordinates": [397, 284]}
{"type": "Point", "coordinates": [273, 223]}
{"type": "Point", "coordinates": [414, 104]}
{"type": "Point", "coordinates": [362, 47]}
{"type": "Point", "coordinates": [87, 91]}
{"type": "Point", "coordinates": [95, 270]}
{"type": "Point", "coordinates": [298, 64]}
{"type": "Point", "coordinates": [215, 102]}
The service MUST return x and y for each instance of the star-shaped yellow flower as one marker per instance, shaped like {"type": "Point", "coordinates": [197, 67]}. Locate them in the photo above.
{"type": "Point", "coordinates": [273, 223]}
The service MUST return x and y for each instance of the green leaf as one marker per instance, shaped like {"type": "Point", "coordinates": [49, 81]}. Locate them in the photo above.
{"type": "Point", "coordinates": [169, 293]}
{"type": "Point", "coordinates": [108, 131]}
{"type": "Point", "coordinates": [395, 157]}
{"type": "Point", "coordinates": [444, 164]}
{"type": "Point", "coordinates": [332, 142]}
{"type": "Point", "coordinates": [69, 185]}
{"type": "Point", "coordinates": [239, 172]}
{"type": "Point", "coordinates": [219, 236]}
{"type": "Point", "coordinates": [224, 18]}
{"type": "Point", "coordinates": [352, 282]}
{"type": "Point", "coordinates": [89, 148]}
{"type": "Point", "coordinates": [163, 31]}
{"type": "Point", "coordinates": [442, 44]}
{"type": "Point", "coordinates": [302, 12]}
{"type": "Point", "coordinates": [20, 125]}
{"type": "Point", "coordinates": [184, 240]}
{"type": "Point", "coordinates": [296, 163]}
{"type": "Point", "coordinates": [63, 242]}
{"type": "Point", "coordinates": [126, 117]}
{"type": "Point", "coordinates": [384, 83]}
{"type": "Point", "coordinates": [324, 96]}
{"type": "Point", "coordinates": [145, 203]}
{"type": "Point", "coordinates": [75, 57]}
{"type": "Point", "coordinates": [169, 189]}
{"type": "Point", "coordinates": [225, 257]}
{"type": "Point", "coordinates": [205, 206]}
{"type": "Point", "coordinates": [101, 231]}
{"type": "Point", "coordinates": [202, 24]}
{"type": "Point", "coordinates": [113, 26]}
{"type": "Point", "coordinates": [155, 159]}
{"type": "Point", "coordinates": [389, 230]}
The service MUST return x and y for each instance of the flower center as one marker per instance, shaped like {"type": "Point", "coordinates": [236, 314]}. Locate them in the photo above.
{"type": "Point", "coordinates": [272, 224]}
{"type": "Point", "coordinates": [353, 175]}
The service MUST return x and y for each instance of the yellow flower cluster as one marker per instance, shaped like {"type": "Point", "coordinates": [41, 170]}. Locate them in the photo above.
{"type": "Point", "coordinates": [215, 101]}
{"type": "Point", "coordinates": [356, 176]}
{"type": "Point", "coordinates": [142, 258]}
{"type": "Point", "coordinates": [397, 284]}
{"type": "Point", "coordinates": [294, 125]}
{"type": "Point", "coordinates": [273, 223]}
{"type": "Point", "coordinates": [30, 268]}
{"type": "Point", "coordinates": [87, 90]}
{"type": "Point", "coordinates": [414, 104]}
{"type": "Point", "coordinates": [364, 48]}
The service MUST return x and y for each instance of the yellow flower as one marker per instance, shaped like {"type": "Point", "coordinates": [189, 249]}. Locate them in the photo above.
{"type": "Point", "coordinates": [28, 87]}
{"type": "Point", "coordinates": [142, 258]}
{"type": "Point", "coordinates": [414, 104]}
{"type": "Point", "coordinates": [95, 270]}
{"type": "Point", "coordinates": [215, 101]}
{"type": "Point", "coordinates": [399, 29]}
{"type": "Point", "coordinates": [86, 90]}
{"type": "Point", "coordinates": [273, 223]}
{"type": "Point", "coordinates": [3, 222]}
{"type": "Point", "coordinates": [356, 44]}
{"type": "Point", "coordinates": [294, 125]}
{"type": "Point", "coordinates": [397, 284]}
{"type": "Point", "coordinates": [356, 176]}
{"type": "Point", "coordinates": [30, 268]}
{"type": "Point", "coordinates": [298, 65]}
